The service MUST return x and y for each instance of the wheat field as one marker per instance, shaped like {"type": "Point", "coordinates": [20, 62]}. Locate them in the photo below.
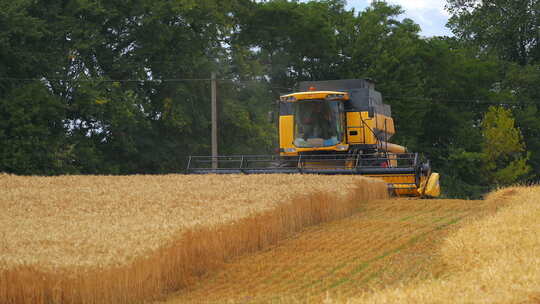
{"type": "Point", "coordinates": [383, 244]}
{"type": "Point", "coordinates": [105, 239]}
{"type": "Point", "coordinates": [395, 251]}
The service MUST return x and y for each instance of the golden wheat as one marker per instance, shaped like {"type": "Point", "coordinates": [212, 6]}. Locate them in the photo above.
{"type": "Point", "coordinates": [103, 239]}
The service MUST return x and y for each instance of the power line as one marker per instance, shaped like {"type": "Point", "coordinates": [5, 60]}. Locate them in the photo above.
{"type": "Point", "coordinates": [464, 101]}
{"type": "Point", "coordinates": [109, 80]}
{"type": "Point", "coordinates": [414, 98]}
{"type": "Point", "coordinates": [166, 80]}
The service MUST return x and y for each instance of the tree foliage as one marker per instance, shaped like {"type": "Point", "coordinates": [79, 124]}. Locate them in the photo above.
{"type": "Point", "coordinates": [502, 148]}
{"type": "Point", "coordinates": [507, 27]}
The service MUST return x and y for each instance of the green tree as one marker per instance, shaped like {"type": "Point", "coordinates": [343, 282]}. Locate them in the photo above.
{"type": "Point", "coordinates": [458, 86]}
{"type": "Point", "coordinates": [294, 40]}
{"type": "Point", "coordinates": [75, 48]}
{"type": "Point", "coordinates": [521, 83]}
{"type": "Point", "coordinates": [32, 132]}
{"type": "Point", "coordinates": [245, 119]}
{"type": "Point", "coordinates": [509, 30]}
{"type": "Point", "coordinates": [507, 27]}
{"type": "Point", "coordinates": [505, 160]}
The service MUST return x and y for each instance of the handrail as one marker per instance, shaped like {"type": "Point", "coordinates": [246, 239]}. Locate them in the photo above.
{"type": "Point", "coordinates": [324, 163]}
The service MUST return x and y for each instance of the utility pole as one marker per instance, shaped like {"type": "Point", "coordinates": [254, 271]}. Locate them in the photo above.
{"type": "Point", "coordinates": [214, 123]}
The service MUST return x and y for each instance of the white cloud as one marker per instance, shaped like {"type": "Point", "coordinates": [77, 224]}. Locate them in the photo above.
{"type": "Point", "coordinates": [430, 14]}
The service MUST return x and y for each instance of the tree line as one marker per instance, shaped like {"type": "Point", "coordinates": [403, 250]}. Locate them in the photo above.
{"type": "Point", "coordinates": [122, 86]}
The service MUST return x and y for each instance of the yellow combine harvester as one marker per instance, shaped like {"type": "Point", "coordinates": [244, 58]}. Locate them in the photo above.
{"type": "Point", "coordinates": [334, 127]}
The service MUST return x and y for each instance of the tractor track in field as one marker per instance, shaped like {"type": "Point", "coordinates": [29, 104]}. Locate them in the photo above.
{"type": "Point", "coordinates": [387, 242]}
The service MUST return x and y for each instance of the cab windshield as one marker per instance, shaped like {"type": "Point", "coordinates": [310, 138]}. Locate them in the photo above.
{"type": "Point", "coordinates": [318, 123]}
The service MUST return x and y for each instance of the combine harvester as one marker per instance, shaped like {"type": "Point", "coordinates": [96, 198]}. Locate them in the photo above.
{"type": "Point", "coordinates": [334, 127]}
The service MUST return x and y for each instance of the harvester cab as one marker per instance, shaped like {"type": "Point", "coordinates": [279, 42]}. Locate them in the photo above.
{"type": "Point", "coordinates": [335, 127]}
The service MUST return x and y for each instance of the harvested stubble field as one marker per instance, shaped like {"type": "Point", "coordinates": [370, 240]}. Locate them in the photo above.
{"type": "Point", "coordinates": [495, 259]}
{"type": "Point", "coordinates": [97, 239]}
{"type": "Point", "coordinates": [396, 251]}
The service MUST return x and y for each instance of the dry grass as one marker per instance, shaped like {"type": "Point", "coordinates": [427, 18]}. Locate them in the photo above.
{"type": "Point", "coordinates": [97, 239]}
{"type": "Point", "coordinates": [492, 260]}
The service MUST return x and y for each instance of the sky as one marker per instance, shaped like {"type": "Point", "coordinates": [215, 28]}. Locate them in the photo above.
{"type": "Point", "coordinates": [429, 14]}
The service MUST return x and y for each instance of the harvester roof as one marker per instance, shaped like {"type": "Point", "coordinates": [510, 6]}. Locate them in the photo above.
{"type": "Point", "coordinates": [311, 95]}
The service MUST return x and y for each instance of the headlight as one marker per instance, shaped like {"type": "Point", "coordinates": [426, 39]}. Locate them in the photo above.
{"type": "Point", "coordinates": [342, 147]}
{"type": "Point", "coordinates": [290, 150]}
